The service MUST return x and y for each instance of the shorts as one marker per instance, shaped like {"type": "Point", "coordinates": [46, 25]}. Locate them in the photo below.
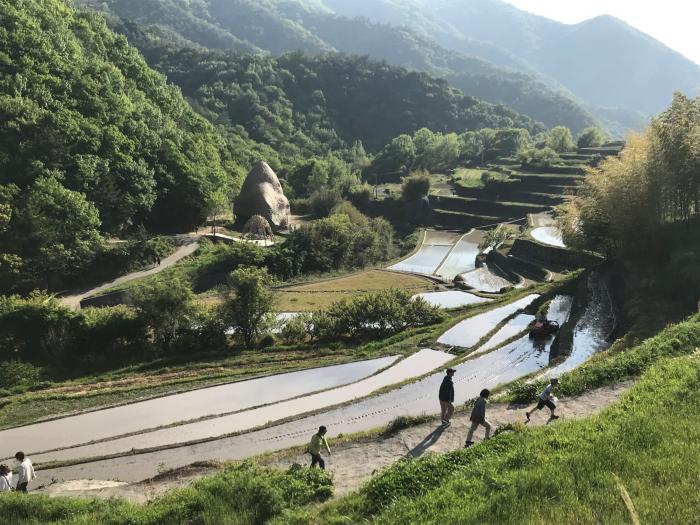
{"type": "Point", "coordinates": [541, 403]}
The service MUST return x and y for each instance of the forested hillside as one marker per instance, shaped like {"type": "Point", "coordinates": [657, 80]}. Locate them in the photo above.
{"type": "Point", "coordinates": [93, 142]}
{"type": "Point", "coordinates": [294, 25]}
{"type": "Point", "coordinates": [314, 104]}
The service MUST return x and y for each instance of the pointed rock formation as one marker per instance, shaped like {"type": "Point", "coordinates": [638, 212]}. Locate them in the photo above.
{"type": "Point", "coordinates": [262, 195]}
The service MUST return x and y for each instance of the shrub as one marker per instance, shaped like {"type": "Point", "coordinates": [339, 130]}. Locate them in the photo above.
{"type": "Point", "coordinates": [166, 306]}
{"type": "Point", "coordinates": [322, 202]}
{"type": "Point", "coordinates": [296, 329]}
{"type": "Point", "coordinates": [16, 373]}
{"type": "Point", "coordinates": [36, 328]}
{"type": "Point", "coordinates": [416, 186]}
{"type": "Point", "coordinates": [375, 315]}
{"type": "Point", "coordinates": [267, 341]}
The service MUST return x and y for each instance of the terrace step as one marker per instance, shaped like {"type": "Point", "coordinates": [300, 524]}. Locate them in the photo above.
{"type": "Point", "coordinates": [463, 221]}
{"type": "Point", "coordinates": [489, 208]}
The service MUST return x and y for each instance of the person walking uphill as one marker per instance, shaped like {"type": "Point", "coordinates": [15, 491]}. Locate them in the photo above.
{"type": "Point", "coordinates": [314, 449]}
{"type": "Point", "coordinates": [546, 399]}
{"type": "Point", "coordinates": [25, 472]}
{"type": "Point", "coordinates": [447, 397]}
{"type": "Point", "coordinates": [478, 417]}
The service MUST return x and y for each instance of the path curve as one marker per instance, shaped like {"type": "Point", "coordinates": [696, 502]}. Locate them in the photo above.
{"type": "Point", "coordinates": [191, 243]}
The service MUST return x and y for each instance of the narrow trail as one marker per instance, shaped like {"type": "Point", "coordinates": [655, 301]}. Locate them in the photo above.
{"type": "Point", "coordinates": [73, 300]}
{"type": "Point", "coordinates": [354, 463]}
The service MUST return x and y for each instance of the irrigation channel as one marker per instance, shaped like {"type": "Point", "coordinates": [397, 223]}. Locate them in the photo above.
{"type": "Point", "coordinates": [491, 364]}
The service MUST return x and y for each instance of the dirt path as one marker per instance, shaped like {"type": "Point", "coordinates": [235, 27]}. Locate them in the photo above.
{"type": "Point", "coordinates": [354, 463]}
{"type": "Point", "coordinates": [73, 300]}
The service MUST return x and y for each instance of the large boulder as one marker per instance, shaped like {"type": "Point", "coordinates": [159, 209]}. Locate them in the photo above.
{"type": "Point", "coordinates": [262, 195]}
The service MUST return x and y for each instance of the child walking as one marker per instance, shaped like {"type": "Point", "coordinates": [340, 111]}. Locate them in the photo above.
{"type": "Point", "coordinates": [478, 417]}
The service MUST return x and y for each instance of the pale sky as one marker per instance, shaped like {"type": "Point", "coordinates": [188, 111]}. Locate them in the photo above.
{"type": "Point", "coordinates": [673, 22]}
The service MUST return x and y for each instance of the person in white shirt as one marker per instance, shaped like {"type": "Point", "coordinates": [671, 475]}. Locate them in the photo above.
{"type": "Point", "coordinates": [5, 479]}
{"type": "Point", "coordinates": [25, 472]}
{"type": "Point", "coordinates": [546, 399]}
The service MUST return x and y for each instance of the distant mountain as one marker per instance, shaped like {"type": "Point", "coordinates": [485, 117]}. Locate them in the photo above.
{"type": "Point", "coordinates": [312, 27]}
{"type": "Point", "coordinates": [603, 61]}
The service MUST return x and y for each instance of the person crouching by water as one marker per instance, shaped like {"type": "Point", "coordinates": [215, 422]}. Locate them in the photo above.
{"type": "Point", "coordinates": [5, 479]}
{"type": "Point", "coordinates": [25, 472]}
{"type": "Point", "coordinates": [546, 399]}
{"type": "Point", "coordinates": [478, 417]}
{"type": "Point", "coordinates": [314, 449]}
{"type": "Point", "coordinates": [447, 397]}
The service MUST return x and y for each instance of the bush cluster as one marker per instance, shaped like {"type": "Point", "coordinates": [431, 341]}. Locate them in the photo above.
{"type": "Point", "coordinates": [375, 315]}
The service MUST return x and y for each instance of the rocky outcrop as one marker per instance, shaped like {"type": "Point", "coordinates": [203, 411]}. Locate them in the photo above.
{"type": "Point", "coordinates": [262, 195]}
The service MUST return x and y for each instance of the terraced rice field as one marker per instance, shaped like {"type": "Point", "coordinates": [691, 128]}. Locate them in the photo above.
{"type": "Point", "coordinates": [462, 257]}
{"type": "Point", "coordinates": [436, 246]}
{"type": "Point", "coordinates": [549, 235]}
{"type": "Point", "coordinates": [321, 294]}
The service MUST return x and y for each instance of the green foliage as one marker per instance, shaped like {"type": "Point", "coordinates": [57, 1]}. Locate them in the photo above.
{"type": "Point", "coordinates": [495, 237]}
{"type": "Point", "coordinates": [93, 142]}
{"type": "Point", "coordinates": [249, 303]}
{"type": "Point", "coordinates": [592, 137]}
{"type": "Point", "coordinates": [375, 315]}
{"type": "Point", "coordinates": [37, 329]}
{"type": "Point", "coordinates": [415, 187]}
{"type": "Point", "coordinates": [332, 244]}
{"type": "Point", "coordinates": [323, 201]}
{"type": "Point", "coordinates": [626, 202]}
{"type": "Point", "coordinates": [296, 329]}
{"type": "Point", "coordinates": [244, 495]}
{"type": "Point", "coordinates": [166, 306]}
{"type": "Point", "coordinates": [560, 139]}
{"type": "Point", "coordinates": [17, 373]}
{"type": "Point", "coordinates": [538, 158]}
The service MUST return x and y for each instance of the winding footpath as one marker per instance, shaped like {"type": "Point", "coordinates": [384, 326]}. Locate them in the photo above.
{"type": "Point", "coordinates": [188, 248]}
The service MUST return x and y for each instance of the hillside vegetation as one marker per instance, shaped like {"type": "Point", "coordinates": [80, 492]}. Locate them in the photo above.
{"type": "Point", "coordinates": [284, 26]}
{"type": "Point", "coordinates": [93, 142]}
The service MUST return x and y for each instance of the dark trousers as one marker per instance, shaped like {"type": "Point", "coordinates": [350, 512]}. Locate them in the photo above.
{"type": "Point", "coordinates": [22, 487]}
{"type": "Point", "coordinates": [316, 459]}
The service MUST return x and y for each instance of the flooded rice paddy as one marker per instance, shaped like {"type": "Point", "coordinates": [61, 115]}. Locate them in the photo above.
{"type": "Point", "coordinates": [222, 399]}
{"type": "Point", "coordinates": [417, 364]}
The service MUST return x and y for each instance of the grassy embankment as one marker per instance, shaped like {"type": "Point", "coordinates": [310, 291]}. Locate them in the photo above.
{"type": "Point", "coordinates": [568, 472]}
{"type": "Point", "coordinates": [241, 495]}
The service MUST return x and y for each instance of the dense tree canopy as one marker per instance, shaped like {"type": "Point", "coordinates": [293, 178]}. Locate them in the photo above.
{"type": "Point", "coordinates": [91, 141]}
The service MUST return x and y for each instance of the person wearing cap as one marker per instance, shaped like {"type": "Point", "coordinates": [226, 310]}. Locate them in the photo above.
{"type": "Point", "coordinates": [546, 399]}
{"type": "Point", "coordinates": [478, 417]}
{"type": "Point", "coordinates": [314, 449]}
{"type": "Point", "coordinates": [447, 397]}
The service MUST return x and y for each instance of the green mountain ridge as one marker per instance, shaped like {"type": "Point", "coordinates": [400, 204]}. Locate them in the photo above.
{"type": "Point", "coordinates": [603, 61]}
{"type": "Point", "coordinates": [291, 25]}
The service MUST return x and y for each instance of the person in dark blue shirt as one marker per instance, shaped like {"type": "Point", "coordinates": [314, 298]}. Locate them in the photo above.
{"type": "Point", "coordinates": [447, 397]}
